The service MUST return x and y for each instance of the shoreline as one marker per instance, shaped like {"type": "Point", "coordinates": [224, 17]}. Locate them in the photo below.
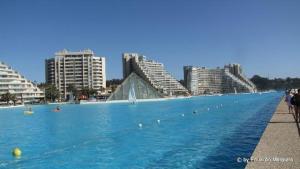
{"type": "Point", "coordinates": [9, 107]}
{"type": "Point", "coordinates": [137, 101]}
{"type": "Point", "coordinates": [166, 99]}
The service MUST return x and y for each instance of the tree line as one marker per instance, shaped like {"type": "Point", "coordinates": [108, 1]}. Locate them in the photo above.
{"type": "Point", "coordinates": [53, 94]}
{"type": "Point", "coordinates": [7, 97]}
{"type": "Point", "coordinates": [263, 83]}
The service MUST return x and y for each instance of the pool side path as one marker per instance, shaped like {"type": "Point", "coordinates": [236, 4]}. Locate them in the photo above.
{"type": "Point", "coordinates": [279, 146]}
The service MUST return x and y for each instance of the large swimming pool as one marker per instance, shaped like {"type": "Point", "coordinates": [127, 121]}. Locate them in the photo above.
{"type": "Point", "coordinates": [110, 135]}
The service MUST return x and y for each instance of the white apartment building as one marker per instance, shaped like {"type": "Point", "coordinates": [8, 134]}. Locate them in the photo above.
{"type": "Point", "coordinates": [200, 80]}
{"type": "Point", "coordinates": [81, 69]}
{"type": "Point", "coordinates": [153, 72]}
{"type": "Point", "coordinates": [13, 82]}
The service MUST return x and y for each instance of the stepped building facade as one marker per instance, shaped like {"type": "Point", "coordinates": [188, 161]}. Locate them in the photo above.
{"type": "Point", "coordinates": [149, 78]}
{"type": "Point", "coordinates": [81, 69]}
{"type": "Point", "coordinates": [152, 72]}
{"type": "Point", "coordinates": [230, 79]}
{"type": "Point", "coordinates": [14, 83]}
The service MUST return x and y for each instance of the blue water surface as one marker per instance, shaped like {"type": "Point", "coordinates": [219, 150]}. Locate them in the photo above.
{"type": "Point", "coordinates": [221, 129]}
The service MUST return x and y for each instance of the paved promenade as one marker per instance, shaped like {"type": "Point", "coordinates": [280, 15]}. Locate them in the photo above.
{"type": "Point", "coordinates": [279, 146]}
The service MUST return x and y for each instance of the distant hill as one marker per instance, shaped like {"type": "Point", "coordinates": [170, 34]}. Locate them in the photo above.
{"type": "Point", "coordinates": [263, 83]}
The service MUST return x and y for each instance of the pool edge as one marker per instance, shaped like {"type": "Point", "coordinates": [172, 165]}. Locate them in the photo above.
{"type": "Point", "coordinates": [279, 145]}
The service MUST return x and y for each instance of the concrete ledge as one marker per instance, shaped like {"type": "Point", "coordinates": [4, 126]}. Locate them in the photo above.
{"type": "Point", "coordinates": [279, 146]}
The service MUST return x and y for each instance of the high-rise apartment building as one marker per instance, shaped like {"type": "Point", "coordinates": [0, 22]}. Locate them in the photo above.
{"type": "Point", "coordinates": [230, 79]}
{"type": "Point", "coordinates": [13, 82]}
{"type": "Point", "coordinates": [81, 69]}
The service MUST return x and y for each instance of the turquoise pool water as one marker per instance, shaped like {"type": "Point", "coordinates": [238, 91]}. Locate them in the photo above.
{"type": "Point", "coordinates": [108, 135]}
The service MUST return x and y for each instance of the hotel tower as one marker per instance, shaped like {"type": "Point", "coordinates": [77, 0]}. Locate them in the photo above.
{"type": "Point", "coordinates": [81, 69]}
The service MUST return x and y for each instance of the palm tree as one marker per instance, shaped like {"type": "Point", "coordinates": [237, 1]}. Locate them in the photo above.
{"type": "Point", "coordinates": [52, 93]}
{"type": "Point", "coordinates": [92, 92]}
{"type": "Point", "coordinates": [13, 98]}
{"type": "Point", "coordinates": [88, 92]}
{"type": "Point", "coordinates": [8, 97]}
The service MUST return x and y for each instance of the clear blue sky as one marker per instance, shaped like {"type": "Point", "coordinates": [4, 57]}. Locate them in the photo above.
{"type": "Point", "coordinates": [262, 35]}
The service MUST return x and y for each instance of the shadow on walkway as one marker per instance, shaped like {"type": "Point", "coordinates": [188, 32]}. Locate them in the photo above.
{"type": "Point", "coordinates": [297, 124]}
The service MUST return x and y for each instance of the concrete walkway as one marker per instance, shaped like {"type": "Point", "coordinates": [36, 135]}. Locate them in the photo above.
{"type": "Point", "coordinates": [279, 146]}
